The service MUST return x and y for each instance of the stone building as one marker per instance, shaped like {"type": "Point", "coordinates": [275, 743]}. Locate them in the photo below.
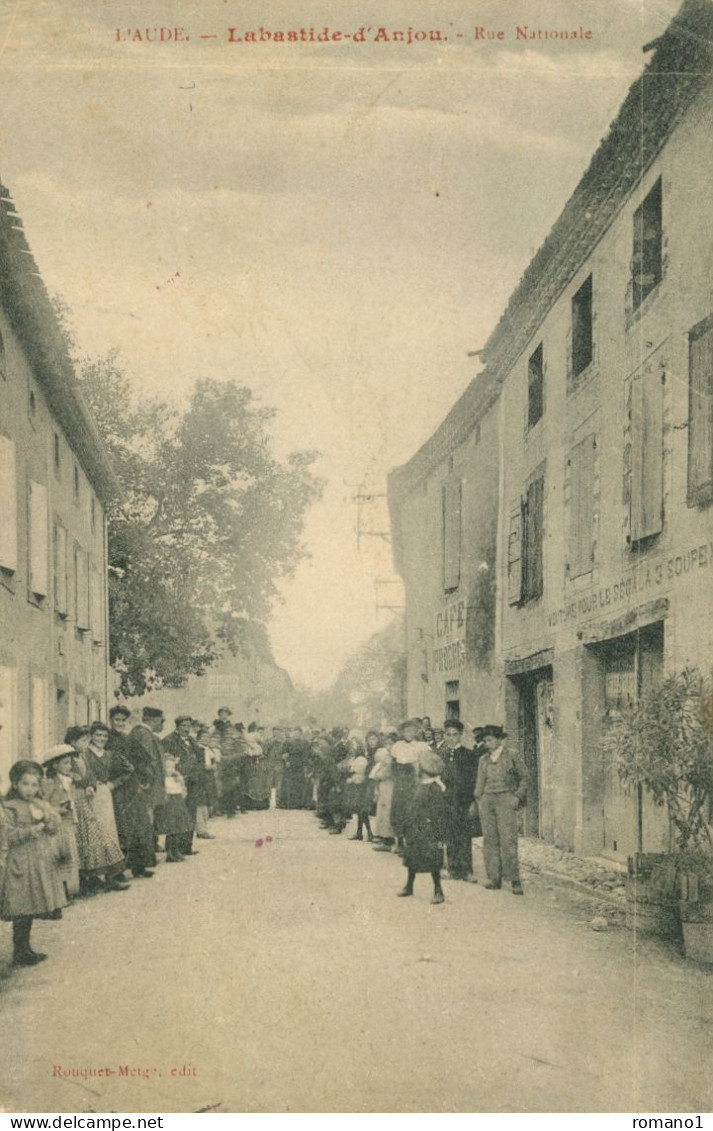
{"type": "Point", "coordinates": [444, 508]}
{"type": "Point", "coordinates": [602, 370]}
{"type": "Point", "coordinates": [55, 480]}
{"type": "Point", "coordinates": [250, 682]}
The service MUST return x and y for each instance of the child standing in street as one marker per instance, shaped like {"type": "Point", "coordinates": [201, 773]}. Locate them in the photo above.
{"type": "Point", "coordinates": [173, 818]}
{"type": "Point", "coordinates": [425, 825]}
{"type": "Point", "coordinates": [59, 792]}
{"type": "Point", "coordinates": [33, 887]}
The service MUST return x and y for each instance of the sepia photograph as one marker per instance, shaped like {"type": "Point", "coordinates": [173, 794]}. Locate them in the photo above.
{"type": "Point", "coordinates": [356, 554]}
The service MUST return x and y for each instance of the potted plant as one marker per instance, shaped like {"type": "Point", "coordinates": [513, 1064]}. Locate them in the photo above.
{"type": "Point", "coordinates": [664, 745]}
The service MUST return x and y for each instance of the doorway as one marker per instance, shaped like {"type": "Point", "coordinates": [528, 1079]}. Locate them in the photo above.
{"type": "Point", "coordinates": [535, 726]}
{"type": "Point", "coordinates": [630, 665]}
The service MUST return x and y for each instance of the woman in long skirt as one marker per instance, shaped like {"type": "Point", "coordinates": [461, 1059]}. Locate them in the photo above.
{"type": "Point", "coordinates": [100, 855]}
{"type": "Point", "coordinates": [382, 778]}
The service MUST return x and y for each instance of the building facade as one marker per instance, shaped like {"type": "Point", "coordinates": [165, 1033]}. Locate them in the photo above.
{"type": "Point", "coordinates": [603, 369]}
{"type": "Point", "coordinates": [55, 481]}
{"type": "Point", "coordinates": [444, 511]}
{"type": "Point", "coordinates": [250, 682]}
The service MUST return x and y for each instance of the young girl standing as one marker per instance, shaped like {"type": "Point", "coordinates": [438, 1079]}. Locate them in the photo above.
{"type": "Point", "coordinates": [33, 886]}
{"type": "Point", "coordinates": [173, 818]}
{"type": "Point", "coordinates": [59, 792]}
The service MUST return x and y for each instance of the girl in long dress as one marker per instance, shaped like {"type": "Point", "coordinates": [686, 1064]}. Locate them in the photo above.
{"type": "Point", "coordinates": [59, 790]}
{"type": "Point", "coordinates": [32, 885]}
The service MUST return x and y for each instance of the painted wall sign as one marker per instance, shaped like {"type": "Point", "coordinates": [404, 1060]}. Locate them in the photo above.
{"type": "Point", "coordinates": [641, 580]}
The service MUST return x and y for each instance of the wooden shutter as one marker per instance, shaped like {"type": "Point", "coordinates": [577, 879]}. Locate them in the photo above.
{"type": "Point", "coordinates": [8, 505]}
{"type": "Point", "coordinates": [647, 455]}
{"type": "Point", "coordinates": [60, 569]}
{"type": "Point", "coordinates": [451, 534]}
{"type": "Point", "coordinates": [39, 540]}
{"type": "Point", "coordinates": [97, 604]}
{"type": "Point", "coordinates": [82, 581]}
{"type": "Point", "coordinates": [533, 539]}
{"type": "Point", "coordinates": [700, 413]}
{"type": "Point", "coordinates": [581, 512]}
{"type": "Point", "coordinates": [515, 554]}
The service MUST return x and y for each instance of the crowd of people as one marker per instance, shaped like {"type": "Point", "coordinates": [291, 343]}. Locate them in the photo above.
{"type": "Point", "coordinates": [97, 811]}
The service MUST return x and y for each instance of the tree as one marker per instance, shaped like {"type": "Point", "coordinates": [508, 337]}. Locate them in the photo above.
{"type": "Point", "coordinates": [208, 521]}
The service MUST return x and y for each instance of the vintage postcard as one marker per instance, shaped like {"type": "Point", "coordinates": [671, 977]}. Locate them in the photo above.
{"type": "Point", "coordinates": [356, 546]}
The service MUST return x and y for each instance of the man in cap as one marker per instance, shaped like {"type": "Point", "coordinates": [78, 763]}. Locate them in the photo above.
{"type": "Point", "coordinates": [500, 790]}
{"type": "Point", "coordinates": [132, 809]}
{"type": "Point", "coordinates": [189, 763]}
{"type": "Point", "coordinates": [145, 735]}
{"type": "Point", "coordinates": [460, 767]}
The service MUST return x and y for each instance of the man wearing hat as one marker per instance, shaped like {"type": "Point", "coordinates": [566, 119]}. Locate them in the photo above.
{"type": "Point", "coordinates": [134, 816]}
{"type": "Point", "coordinates": [460, 767]}
{"type": "Point", "coordinates": [145, 734]}
{"type": "Point", "coordinates": [190, 764]}
{"type": "Point", "coordinates": [500, 790]}
{"type": "Point", "coordinates": [425, 824]}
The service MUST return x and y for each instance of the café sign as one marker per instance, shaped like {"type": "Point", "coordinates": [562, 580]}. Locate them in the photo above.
{"type": "Point", "coordinates": [449, 655]}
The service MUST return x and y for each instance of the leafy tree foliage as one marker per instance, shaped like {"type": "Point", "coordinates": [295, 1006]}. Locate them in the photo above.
{"type": "Point", "coordinates": [208, 522]}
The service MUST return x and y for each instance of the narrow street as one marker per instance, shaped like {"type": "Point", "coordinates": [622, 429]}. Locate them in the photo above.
{"type": "Point", "coordinates": [289, 977]}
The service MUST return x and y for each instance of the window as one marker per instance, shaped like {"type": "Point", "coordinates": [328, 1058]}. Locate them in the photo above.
{"type": "Point", "coordinates": [533, 514]}
{"type": "Point", "coordinates": [452, 699]}
{"type": "Point", "coordinates": [647, 262]}
{"type": "Point", "coordinates": [75, 484]}
{"type": "Point", "coordinates": [581, 507]}
{"type": "Point", "coordinates": [582, 331]}
{"type": "Point", "coordinates": [646, 496]}
{"type": "Point", "coordinates": [451, 502]}
{"type": "Point", "coordinates": [57, 456]}
{"type": "Point", "coordinates": [81, 580]}
{"type": "Point", "coordinates": [8, 506]}
{"type": "Point", "coordinates": [700, 413]}
{"type": "Point", "coordinates": [3, 360]}
{"type": "Point", "coordinates": [535, 387]}
{"type": "Point", "coordinates": [60, 569]}
{"type": "Point", "coordinates": [39, 541]}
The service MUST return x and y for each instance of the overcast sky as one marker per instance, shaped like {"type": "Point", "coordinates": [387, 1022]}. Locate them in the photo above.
{"type": "Point", "coordinates": [347, 221]}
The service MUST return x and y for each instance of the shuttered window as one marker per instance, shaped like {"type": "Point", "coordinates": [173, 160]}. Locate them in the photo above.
{"type": "Point", "coordinates": [8, 505]}
{"type": "Point", "coordinates": [535, 387]}
{"type": "Point", "coordinates": [700, 413]}
{"type": "Point", "coordinates": [582, 328]}
{"type": "Point", "coordinates": [647, 262]}
{"type": "Point", "coordinates": [452, 507]}
{"type": "Point", "coordinates": [97, 604]}
{"type": "Point", "coordinates": [581, 512]}
{"type": "Point", "coordinates": [515, 554]}
{"type": "Point", "coordinates": [532, 574]}
{"type": "Point", "coordinates": [39, 540]}
{"type": "Point", "coordinates": [646, 505]}
{"type": "Point", "coordinates": [60, 569]}
{"type": "Point", "coordinates": [81, 573]}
